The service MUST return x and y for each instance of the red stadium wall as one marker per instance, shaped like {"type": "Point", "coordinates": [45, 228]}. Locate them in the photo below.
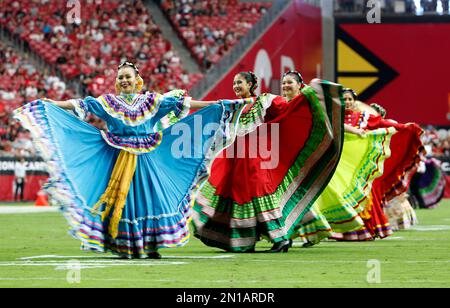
{"type": "Point", "coordinates": [36, 177]}
{"type": "Point", "coordinates": [293, 41]}
{"type": "Point", "coordinates": [417, 53]}
{"type": "Point", "coordinates": [32, 185]}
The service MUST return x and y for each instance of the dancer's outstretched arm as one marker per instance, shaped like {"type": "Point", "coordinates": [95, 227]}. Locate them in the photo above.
{"type": "Point", "coordinates": [201, 104]}
{"type": "Point", "coordinates": [195, 104]}
{"type": "Point", "coordinates": [354, 130]}
{"type": "Point", "coordinates": [63, 104]}
{"type": "Point", "coordinates": [69, 106]}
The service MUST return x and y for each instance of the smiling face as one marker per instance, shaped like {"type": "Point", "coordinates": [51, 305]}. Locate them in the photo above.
{"type": "Point", "coordinates": [241, 87]}
{"type": "Point", "coordinates": [126, 81]}
{"type": "Point", "coordinates": [349, 100]}
{"type": "Point", "coordinates": [291, 87]}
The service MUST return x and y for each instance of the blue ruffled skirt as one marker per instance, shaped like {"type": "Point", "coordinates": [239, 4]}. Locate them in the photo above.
{"type": "Point", "coordinates": [158, 205]}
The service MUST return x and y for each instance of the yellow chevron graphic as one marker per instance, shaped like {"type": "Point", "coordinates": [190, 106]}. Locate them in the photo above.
{"type": "Point", "coordinates": [349, 61]}
{"type": "Point", "coordinates": [359, 84]}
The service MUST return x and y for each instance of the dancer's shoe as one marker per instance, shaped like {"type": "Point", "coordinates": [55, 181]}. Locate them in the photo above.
{"type": "Point", "coordinates": [282, 246]}
{"type": "Point", "coordinates": [154, 255]}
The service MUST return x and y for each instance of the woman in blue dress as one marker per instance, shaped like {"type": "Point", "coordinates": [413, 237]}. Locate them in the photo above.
{"type": "Point", "coordinates": [129, 190]}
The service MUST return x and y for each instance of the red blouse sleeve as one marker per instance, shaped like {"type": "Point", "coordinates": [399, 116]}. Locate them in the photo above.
{"type": "Point", "coordinates": [278, 106]}
{"type": "Point", "coordinates": [379, 122]}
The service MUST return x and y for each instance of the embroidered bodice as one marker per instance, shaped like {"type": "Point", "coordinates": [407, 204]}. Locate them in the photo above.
{"type": "Point", "coordinates": [132, 119]}
{"type": "Point", "coordinates": [356, 119]}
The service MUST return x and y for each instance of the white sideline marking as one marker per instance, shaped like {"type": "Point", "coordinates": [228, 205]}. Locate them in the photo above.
{"type": "Point", "coordinates": [199, 257]}
{"type": "Point", "coordinates": [90, 262]}
{"type": "Point", "coordinates": [66, 265]}
{"type": "Point", "coordinates": [137, 262]}
{"type": "Point", "coordinates": [115, 257]}
{"type": "Point", "coordinates": [349, 261]}
{"type": "Point", "coordinates": [430, 228]}
{"type": "Point", "coordinates": [284, 281]}
{"type": "Point", "coordinates": [378, 241]}
{"type": "Point", "coordinates": [27, 209]}
{"type": "Point", "coordinates": [394, 238]}
{"type": "Point", "coordinates": [84, 279]}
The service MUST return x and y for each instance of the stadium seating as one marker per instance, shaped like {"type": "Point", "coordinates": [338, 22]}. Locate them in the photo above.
{"type": "Point", "coordinates": [21, 81]}
{"type": "Point", "coordinates": [89, 47]}
{"type": "Point", "coordinates": [211, 28]}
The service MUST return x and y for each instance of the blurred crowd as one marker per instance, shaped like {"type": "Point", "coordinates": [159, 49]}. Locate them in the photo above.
{"type": "Point", "coordinates": [91, 46]}
{"type": "Point", "coordinates": [21, 81]}
{"type": "Point", "coordinates": [437, 142]}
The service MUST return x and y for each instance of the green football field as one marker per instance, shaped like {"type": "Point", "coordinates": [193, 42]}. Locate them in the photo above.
{"type": "Point", "coordinates": [36, 251]}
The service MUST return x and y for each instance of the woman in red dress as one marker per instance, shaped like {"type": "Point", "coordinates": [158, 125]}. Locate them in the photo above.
{"type": "Point", "coordinates": [253, 194]}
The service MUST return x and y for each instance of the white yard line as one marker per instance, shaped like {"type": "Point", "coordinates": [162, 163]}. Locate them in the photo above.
{"type": "Point", "coordinates": [193, 282]}
{"type": "Point", "coordinates": [349, 261]}
{"type": "Point", "coordinates": [27, 209]}
{"type": "Point", "coordinates": [148, 262]}
{"type": "Point", "coordinates": [78, 265]}
{"type": "Point", "coordinates": [90, 262]}
{"type": "Point", "coordinates": [114, 257]}
{"type": "Point", "coordinates": [394, 238]}
{"type": "Point", "coordinates": [426, 228]}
